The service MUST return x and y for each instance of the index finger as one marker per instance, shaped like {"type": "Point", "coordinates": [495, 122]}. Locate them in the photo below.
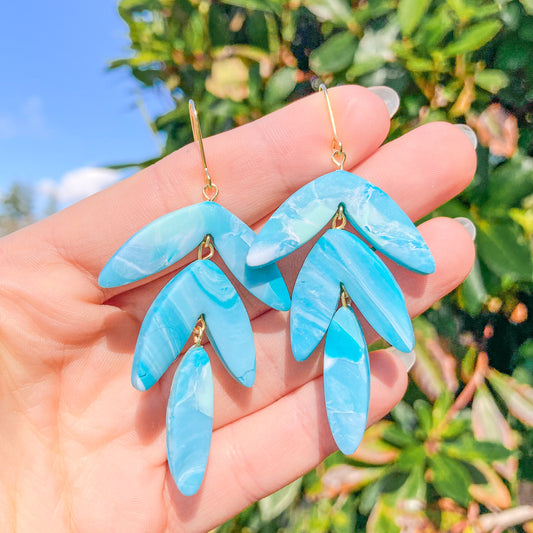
{"type": "Point", "coordinates": [256, 166]}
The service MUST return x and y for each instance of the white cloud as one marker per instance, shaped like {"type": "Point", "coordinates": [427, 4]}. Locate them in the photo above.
{"type": "Point", "coordinates": [27, 120]}
{"type": "Point", "coordinates": [77, 184]}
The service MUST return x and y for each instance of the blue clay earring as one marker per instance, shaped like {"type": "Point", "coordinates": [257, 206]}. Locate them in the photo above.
{"type": "Point", "coordinates": [200, 299]}
{"type": "Point", "coordinates": [340, 266]}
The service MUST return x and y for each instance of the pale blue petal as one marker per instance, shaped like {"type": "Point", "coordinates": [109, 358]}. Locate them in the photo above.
{"type": "Point", "coordinates": [314, 300]}
{"type": "Point", "coordinates": [190, 420]}
{"type": "Point", "coordinates": [341, 257]}
{"type": "Point", "coordinates": [374, 214]}
{"type": "Point", "coordinates": [200, 288]}
{"type": "Point", "coordinates": [171, 237]}
{"type": "Point", "coordinates": [346, 380]}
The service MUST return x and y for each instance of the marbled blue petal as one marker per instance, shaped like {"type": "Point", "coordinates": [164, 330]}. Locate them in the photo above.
{"type": "Point", "coordinates": [171, 237]}
{"type": "Point", "coordinates": [190, 420]}
{"type": "Point", "coordinates": [200, 288]}
{"type": "Point", "coordinates": [372, 212]}
{"type": "Point", "coordinates": [346, 380]}
{"type": "Point", "coordinates": [341, 257]}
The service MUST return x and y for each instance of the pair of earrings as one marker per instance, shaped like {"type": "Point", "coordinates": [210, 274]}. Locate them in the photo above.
{"type": "Point", "coordinates": [202, 300]}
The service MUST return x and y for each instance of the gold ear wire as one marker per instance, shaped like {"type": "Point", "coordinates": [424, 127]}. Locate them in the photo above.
{"type": "Point", "coordinates": [197, 134]}
{"type": "Point", "coordinates": [338, 156]}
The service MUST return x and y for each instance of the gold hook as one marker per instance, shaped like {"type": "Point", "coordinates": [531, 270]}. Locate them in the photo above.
{"type": "Point", "coordinates": [338, 156]}
{"type": "Point", "coordinates": [198, 331]}
{"type": "Point", "coordinates": [346, 301]}
{"type": "Point", "coordinates": [197, 134]}
{"type": "Point", "coordinates": [339, 220]}
{"type": "Point", "coordinates": [206, 245]}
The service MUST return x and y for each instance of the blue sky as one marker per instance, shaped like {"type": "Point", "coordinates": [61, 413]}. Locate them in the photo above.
{"type": "Point", "coordinates": [60, 110]}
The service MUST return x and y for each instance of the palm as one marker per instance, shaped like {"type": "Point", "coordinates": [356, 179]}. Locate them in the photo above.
{"type": "Point", "coordinates": [86, 451]}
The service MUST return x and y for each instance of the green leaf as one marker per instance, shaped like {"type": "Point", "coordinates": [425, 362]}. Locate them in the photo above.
{"type": "Point", "coordinates": [373, 449]}
{"type": "Point", "coordinates": [434, 369]}
{"type": "Point", "coordinates": [472, 293]}
{"type": "Point", "coordinates": [513, 55]}
{"type": "Point", "coordinates": [528, 6]}
{"type": "Point", "coordinates": [256, 28]}
{"type": "Point", "coordinates": [194, 34]}
{"type": "Point", "coordinates": [134, 5]}
{"type": "Point", "coordinates": [450, 479]}
{"type": "Point", "coordinates": [423, 413]}
{"type": "Point", "coordinates": [488, 423]}
{"type": "Point", "coordinates": [405, 416]}
{"type": "Point", "coordinates": [508, 185]}
{"type": "Point", "coordinates": [397, 436]}
{"type": "Point", "coordinates": [370, 495]}
{"type": "Point", "coordinates": [414, 487]}
{"type": "Point", "coordinates": [334, 55]}
{"type": "Point", "coordinates": [441, 407]}
{"type": "Point", "coordinates": [410, 456]}
{"type": "Point", "coordinates": [435, 28]}
{"type": "Point", "coordinates": [457, 426]}
{"type": "Point", "coordinates": [473, 38]}
{"type": "Point", "coordinates": [420, 64]}
{"type": "Point", "coordinates": [383, 519]}
{"type": "Point", "coordinates": [261, 5]}
{"type": "Point", "coordinates": [504, 249]}
{"type": "Point", "coordinates": [272, 506]}
{"type": "Point", "coordinates": [468, 449]}
{"type": "Point", "coordinates": [337, 11]}
{"type": "Point", "coordinates": [517, 397]}
{"type": "Point", "coordinates": [491, 80]}
{"type": "Point", "coordinates": [462, 9]}
{"type": "Point", "coordinates": [410, 12]}
{"type": "Point", "coordinates": [280, 85]}
{"type": "Point", "coordinates": [344, 478]}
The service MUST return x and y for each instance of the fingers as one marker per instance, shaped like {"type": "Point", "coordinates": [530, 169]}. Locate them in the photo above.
{"type": "Point", "coordinates": [255, 166]}
{"type": "Point", "coordinates": [264, 451]}
{"type": "Point", "coordinates": [424, 168]}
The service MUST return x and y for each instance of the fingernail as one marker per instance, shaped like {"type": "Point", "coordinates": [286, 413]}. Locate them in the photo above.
{"type": "Point", "coordinates": [408, 359]}
{"type": "Point", "coordinates": [389, 96]}
{"type": "Point", "coordinates": [469, 132]}
{"type": "Point", "coordinates": [468, 225]}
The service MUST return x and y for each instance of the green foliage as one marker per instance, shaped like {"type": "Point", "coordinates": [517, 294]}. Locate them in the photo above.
{"type": "Point", "coordinates": [16, 209]}
{"type": "Point", "coordinates": [461, 443]}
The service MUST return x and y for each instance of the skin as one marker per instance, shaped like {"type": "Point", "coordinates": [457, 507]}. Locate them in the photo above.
{"type": "Point", "coordinates": [81, 449]}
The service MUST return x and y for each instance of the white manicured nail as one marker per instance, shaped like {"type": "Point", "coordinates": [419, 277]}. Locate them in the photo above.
{"type": "Point", "coordinates": [469, 132]}
{"type": "Point", "coordinates": [468, 225]}
{"type": "Point", "coordinates": [408, 359]}
{"type": "Point", "coordinates": [389, 96]}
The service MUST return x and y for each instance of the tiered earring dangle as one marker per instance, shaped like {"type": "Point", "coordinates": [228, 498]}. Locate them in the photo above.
{"type": "Point", "coordinates": [199, 299]}
{"type": "Point", "coordinates": [341, 267]}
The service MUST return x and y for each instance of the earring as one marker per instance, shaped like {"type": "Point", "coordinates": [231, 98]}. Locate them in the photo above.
{"type": "Point", "coordinates": [200, 299]}
{"type": "Point", "coordinates": [340, 266]}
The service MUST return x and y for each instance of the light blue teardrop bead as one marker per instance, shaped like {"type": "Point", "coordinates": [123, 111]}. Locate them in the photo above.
{"type": "Point", "coordinates": [341, 257]}
{"type": "Point", "coordinates": [370, 210]}
{"type": "Point", "coordinates": [346, 380]}
{"type": "Point", "coordinates": [200, 288]}
{"type": "Point", "coordinates": [190, 420]}
{"type": "Point", "coordinates": [171, 237]}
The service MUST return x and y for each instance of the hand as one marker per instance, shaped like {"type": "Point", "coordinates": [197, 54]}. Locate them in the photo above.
{"type": "Point", "coordinates": [81, 449]}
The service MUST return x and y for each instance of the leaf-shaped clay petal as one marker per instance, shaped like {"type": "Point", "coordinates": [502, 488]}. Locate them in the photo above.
{"type": "Point", "coordinates": [199, 289]}
{"type": "Point", "coordinates": [346, 380]}
{"type": "Point", "coordinates": [370, 210]}
{"type": "Point", "coordinates": [190, 420]}
{"type": "Point", "coordinates": [171, 237]}
{"type": "Point", "coordinates": [341, 257]}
